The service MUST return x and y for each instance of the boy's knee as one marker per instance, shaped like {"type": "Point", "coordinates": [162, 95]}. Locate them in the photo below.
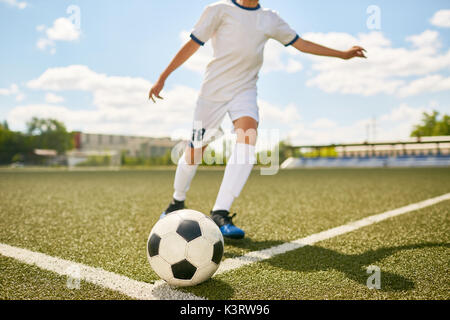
{"type": "Point", "coordinates": [194, 156]}
{"type": "Point", "coordinates": [248, 136]}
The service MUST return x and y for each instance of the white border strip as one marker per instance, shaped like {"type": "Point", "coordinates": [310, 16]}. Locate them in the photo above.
{"type": "Point", "coordinates": [256, 256]}
{"type": "Point", "coordinates": [106, 279]}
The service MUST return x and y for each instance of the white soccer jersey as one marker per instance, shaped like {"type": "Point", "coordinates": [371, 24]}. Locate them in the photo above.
{"type": "Point", "coordinates": [238, 36]}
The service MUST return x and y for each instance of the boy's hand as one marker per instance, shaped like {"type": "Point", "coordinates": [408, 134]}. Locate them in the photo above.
{"type": "Point", "coordinates": [155, 90]}
{"type": "Point", "coordinates": [355, 51]}
{"type": "Point", "coordinates": [182, 56]}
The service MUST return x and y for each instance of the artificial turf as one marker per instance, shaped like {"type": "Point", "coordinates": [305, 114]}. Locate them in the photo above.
{"type": "Point", "coordinates": [20, 281]}
{"type": "Point", "coordinates": [103, 219]}
{"type": "Point", "coordinates": [412, 252]}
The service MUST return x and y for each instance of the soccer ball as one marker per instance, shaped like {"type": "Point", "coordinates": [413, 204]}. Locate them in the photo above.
{"type": "Point", "coordinates": [185, 248]}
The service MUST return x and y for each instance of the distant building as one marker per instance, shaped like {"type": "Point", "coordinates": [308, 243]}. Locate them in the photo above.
{"type": "Point", "coordinates": [89, 146]}
{"type": "Point", "coordinates": [45, 153]}
{"type": "Point", "coordinates": [133, 146]}
{"type": "Point", "coordinates": [47, 157]}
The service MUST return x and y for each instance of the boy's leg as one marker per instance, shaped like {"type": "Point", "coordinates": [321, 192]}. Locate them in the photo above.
{"type": "Point", "coordinates": [237, 171]}
{"type": "Point", "coordinates": [206, 127]}
{"type": "Point", "coordinates": [186, 169]}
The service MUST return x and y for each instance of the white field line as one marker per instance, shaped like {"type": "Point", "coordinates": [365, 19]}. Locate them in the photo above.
{"type": "Point", "coordinates": [161, 291]}
{"type": "Point", "coordinates": [106, 279]}
{"type": "Point", "coordinates": [256, 256]}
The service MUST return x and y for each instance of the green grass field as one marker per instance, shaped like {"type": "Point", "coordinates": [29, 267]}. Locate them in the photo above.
{"type": "Point", "coordinates": [102, 219]}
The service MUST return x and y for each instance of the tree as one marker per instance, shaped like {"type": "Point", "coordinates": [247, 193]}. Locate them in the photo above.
{"type": "Point", "coordinates": [286, 151]}
{"type": "Point", "coordinates": [432, 126]}
{"type": "Point", "coordinates": [50, 134]}
{"type": "Point", "coordinates": [4, 125]}
{"type": "Point", "coordinates": [13, 145]}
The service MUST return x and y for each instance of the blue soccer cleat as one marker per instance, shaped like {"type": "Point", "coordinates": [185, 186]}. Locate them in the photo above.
{"type": "Point", "coordinates": [224, 221]}
{"type": "Point", "coordinates": [175, 205]}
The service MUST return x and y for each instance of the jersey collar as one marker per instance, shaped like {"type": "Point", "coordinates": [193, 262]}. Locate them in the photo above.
{"type": "Point", "coordinates": [246, 8]}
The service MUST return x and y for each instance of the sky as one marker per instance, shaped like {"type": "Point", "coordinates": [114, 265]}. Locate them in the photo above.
{"type": "Point", "coordinates": [91, 64]}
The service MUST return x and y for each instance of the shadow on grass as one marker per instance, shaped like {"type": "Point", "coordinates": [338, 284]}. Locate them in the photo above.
{"type": "Point", "coordinates": [313, 258]}
{"type": "Point", "coordinates": [216, 289]}
{"type": "Point", "coordinates": [249, 244]}
{"type": "Point", "coordinates": [213, 289]}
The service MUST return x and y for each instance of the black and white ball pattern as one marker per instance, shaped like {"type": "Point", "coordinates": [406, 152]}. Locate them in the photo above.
{"type": "Point", "coordinates": [185, 248]}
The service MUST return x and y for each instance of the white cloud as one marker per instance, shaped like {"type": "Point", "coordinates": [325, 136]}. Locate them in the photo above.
{"type": "Point", "coordinates": [403, 113]}
{"type": "Point", "coordinates": [427, 39]}
{"type": "Point", "coordinates": [323, 123]}
{"type": "Point", "coordinates": [43, 43]}
{"type": "Point", "coordinates": [278, 58]}
{"type": "Point", "coordinates": [15, 3]}
{"type": "Point", "coordinates": [53, 98]}
{"type": "Point", "coordinates": [394, 125]}
{"type": "Point", "coordinates": [441, 19]}
{"type": "Point", "coordinates": [20, 97]}
{"type": "Point", "coordinates": [431, 83]}
{"type": "Point", "coordinates": [120, 104]}
{"type": "Point", "coordinates": [61, 30]}
{"type": "Point", "coordinates": [108, 91]}
{"type": "Point", "coordinates": [278, 115]}
{"type": "Point", "coordinates": [387, 69]}
{"type": "Point", "coordinates": [293, 66]}
{"type": "Point", "coordinates": [13, 90]}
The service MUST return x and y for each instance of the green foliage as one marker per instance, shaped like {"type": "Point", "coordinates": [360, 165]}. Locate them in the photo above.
{"type": "Point", "coordinates": [286, 151]}
{"type": "Point", "coordinates": [41, 134]}
{"type": "Point", "coordinates": [325, 152]}
{"type": "Point", "coordinates": [4, 125]}
{"type": "Point", "coordinates": [13, 145]}
{"type": "Point", "coordinates": [96, 161]}
{"type": "Point", "coordinates": [164, 160]}
{"type": "Point", "coordinates": [432, 126]}
{"type": "Point", "coordinates": [50, 134]}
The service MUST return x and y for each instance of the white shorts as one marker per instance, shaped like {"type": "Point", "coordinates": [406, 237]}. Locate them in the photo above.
{"type": "Point", "coordinates": [209, 115]}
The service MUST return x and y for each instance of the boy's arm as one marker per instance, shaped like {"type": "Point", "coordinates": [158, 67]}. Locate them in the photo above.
{"type": "Point", "coordinates": [316, 49]}
{"type": "Point", "coordinates": [182, 56]}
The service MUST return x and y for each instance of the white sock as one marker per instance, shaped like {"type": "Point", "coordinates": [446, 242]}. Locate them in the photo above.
{"type": "Point", "coordinates": [237, 171]}
{"type": "Point", "coordinates": [183, 177]}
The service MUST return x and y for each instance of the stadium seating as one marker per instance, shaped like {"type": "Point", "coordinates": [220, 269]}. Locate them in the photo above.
{"type": "Point", "coordinates": [368, 162]}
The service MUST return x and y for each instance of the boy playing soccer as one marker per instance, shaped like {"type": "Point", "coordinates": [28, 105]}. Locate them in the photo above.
{"type": "Point", "coordinates": [239, 30]}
